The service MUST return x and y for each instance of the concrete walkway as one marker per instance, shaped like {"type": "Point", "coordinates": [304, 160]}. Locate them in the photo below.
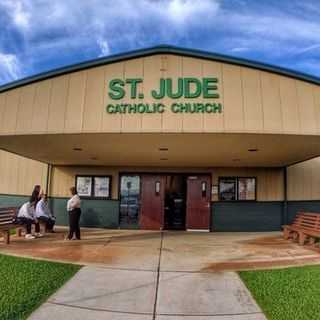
{"type": "Point", "coordinates": [180, 251]}
{"type": "Point", "coordinates": [129, 293]}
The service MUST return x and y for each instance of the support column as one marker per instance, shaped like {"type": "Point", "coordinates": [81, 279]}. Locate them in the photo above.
{"type": "Point", "coordinates": [285, 195]}
{"type": "Point", "coordinates": [48, 182]}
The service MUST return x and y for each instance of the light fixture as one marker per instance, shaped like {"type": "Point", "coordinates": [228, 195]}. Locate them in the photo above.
{"type": "Point", "coordinates": [77, 149]}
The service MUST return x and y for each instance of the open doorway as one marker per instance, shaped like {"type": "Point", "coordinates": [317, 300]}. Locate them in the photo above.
{"type": "Point", "coordinates": [175, 202]}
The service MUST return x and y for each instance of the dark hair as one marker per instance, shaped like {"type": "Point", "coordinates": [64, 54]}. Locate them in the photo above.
{"type": "Point", "coordinates": [73, 190]}
{"type": "Point", "coordinates": [35, 193]}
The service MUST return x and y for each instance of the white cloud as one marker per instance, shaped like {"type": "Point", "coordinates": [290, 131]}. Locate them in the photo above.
{"type": "Point", "coordinates": [312, 48]}
{"type": "Point", "coordinates": [66, 30]}
{"type": "Point", "coordinates": [10, 68]}
{"type": "Point", "coordinates": [239, 49]}
{"type": "Point", "coordinates": [18, 11]}
{"type": "Point", "coordinates": [104, 47]}
{"type": "Point", "coordinates": [180, 11]}
{"type": "Point", "coordinates": [98, 19]}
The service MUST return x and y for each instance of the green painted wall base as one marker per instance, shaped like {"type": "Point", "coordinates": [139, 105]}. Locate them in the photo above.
{"type": "Point", "coordinates": [95, 213]}
{"type": "Point", "coordinates": [246, 216]}
{"type": "Point", "coordinates": [225, 216]}
{"type": "Point", "coordinates": [12, 200]}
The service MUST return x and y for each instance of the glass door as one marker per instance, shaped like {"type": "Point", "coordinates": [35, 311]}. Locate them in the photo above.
{"type": "Point", "coordinates": [129, 201]}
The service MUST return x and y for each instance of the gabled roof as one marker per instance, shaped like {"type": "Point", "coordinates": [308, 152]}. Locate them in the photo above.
{"type": "Point", "coordinates": [161, 49]}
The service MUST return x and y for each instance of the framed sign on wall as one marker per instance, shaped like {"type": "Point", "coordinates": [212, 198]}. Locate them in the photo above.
{"type": "Point", "coordinates": [237, 188]}
{"type": "Point", "coordinates": [102, 187]}
{"type": "Point", "coordinates": [94, 186]}
{"type": "Point", "coordinates": [84, 186]}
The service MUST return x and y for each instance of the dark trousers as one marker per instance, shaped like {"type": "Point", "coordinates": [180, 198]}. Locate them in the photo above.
{"type": "Point", "coordinates": [49, 222]}
{"type": "Point", "coordinates": [37, 227]}
{"type": "Point", "coordinates": [28, 224]}
{"type": "Point", "coordinates": [74, 228]}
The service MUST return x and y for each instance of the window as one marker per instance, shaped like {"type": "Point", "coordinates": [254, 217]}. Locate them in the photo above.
{"type": "Point", "coordinates": [246, 189]}
{"type": "Point", "coordinates": [227, 189]}
{"type": "Point", "coordinates": [237, 188]}
{"type": "Point", "coordinates": [94, 186]}
{"type": "Point", "coordinates": [101, 187]}
{"type": "Point", "coordinates": [84, 186]}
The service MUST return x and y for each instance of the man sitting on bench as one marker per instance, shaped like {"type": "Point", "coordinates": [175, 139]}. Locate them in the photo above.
{"type": "Point", "coordinates": [44, 214]}
{"type": "Point", "coordinates": [26, 216]}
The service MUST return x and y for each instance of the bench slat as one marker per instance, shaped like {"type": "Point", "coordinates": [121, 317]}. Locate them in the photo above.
{"type": "Point", "coordinates": [305, 224]}
{"type": "Point", "coordinates": [5, 218]}
{"type": "Point", "coordinates": [5, 223]}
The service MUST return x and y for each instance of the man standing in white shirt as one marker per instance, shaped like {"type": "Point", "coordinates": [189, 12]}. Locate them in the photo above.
{"type": "Point", "coordinates": [44, 214]}
{"type": "Point", "coordinates": [74, 212]}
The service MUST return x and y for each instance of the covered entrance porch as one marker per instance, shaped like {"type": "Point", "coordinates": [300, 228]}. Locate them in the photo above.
{"type": "Point", "coordinates": [171, 201]}
{"type": "Point", "coordinates": [175, 177]}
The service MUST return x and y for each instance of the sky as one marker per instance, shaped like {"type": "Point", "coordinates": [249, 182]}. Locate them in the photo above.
{"type": "Point", "coordinates": [41, 35]}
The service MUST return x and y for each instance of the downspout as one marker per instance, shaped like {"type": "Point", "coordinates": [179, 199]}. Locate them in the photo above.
{"type": "Point", "coordinates": [48, 182]}
{"type": "Point", "coordinates": [285, 194]}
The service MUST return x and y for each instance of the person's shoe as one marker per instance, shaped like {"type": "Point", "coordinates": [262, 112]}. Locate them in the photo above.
{"type": "Point", "coordinates": [39, 235]}
{"type": "Point", "coordinates": [29, 236]}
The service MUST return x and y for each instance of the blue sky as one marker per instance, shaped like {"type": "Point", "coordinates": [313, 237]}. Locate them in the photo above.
{"type": "Point", "coordinates": [39, 35]}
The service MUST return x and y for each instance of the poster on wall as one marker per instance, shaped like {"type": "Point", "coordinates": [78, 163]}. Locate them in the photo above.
{"type": "Point", "coordinates": [102, 187]}
{"type": "Point", "coordinates": [227, 189]}
{"type": "Point", "coordinates": [84, 186]}
{"type": "Point", "coordinates": [246, 189]}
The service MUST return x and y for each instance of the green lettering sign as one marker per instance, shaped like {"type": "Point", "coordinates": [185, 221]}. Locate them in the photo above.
{"type": "Point", "coordinates": [209, 87]}
{"type": "Point", "coordinates": [161, 92]}
{"type": "Point", "coordinates": [116, 86]}
{"type": "Point", "coordinates": [180, 88]}
{"type": "Point", "coordinates": [192, 88]}
{"type": "Point", "coordinates": [134, 84]}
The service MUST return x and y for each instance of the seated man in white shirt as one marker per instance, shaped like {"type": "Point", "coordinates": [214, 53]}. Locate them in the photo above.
{"type": "Point", "coordinates": [44, 214]}
{"type": "Point", "coordinates": [26, 217]}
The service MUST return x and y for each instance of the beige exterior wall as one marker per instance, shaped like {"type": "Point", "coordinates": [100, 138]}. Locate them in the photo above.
{"type": "Point", "coordinates": [304, 180]}
{"type": "Point", "coordinates": [253, 101]}
{"type": "Point", "coordinates": [269, 180]}
{"type": "Point", "coordinates": [19, 175]}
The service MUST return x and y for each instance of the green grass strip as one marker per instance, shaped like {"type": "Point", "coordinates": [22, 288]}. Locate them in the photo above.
{"type": "Point", "coordinates": [25, 284]}
{"type": "Point", "coordinates": [286, 294]}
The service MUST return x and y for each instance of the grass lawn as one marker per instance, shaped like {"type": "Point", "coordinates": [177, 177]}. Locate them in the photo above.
{"type": "Point", "coordinates": [25, 284]}
{"type": "Point", "coordinates": [286, 294]}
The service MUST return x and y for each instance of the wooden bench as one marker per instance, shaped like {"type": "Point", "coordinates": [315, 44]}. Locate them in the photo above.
{"type": "Point", "coordinates": [305, 225]}
{"type": "Point", "coordinates": [7, 216]}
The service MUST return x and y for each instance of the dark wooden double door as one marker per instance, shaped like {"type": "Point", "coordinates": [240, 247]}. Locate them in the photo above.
{"type": "Point", "coordinates": [197, 202]}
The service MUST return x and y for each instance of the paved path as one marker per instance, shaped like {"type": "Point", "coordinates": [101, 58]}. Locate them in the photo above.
{"type": "Point", "coordinates": [138, 294]}
{"type": "Point", "coordinates": [180, 251]}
